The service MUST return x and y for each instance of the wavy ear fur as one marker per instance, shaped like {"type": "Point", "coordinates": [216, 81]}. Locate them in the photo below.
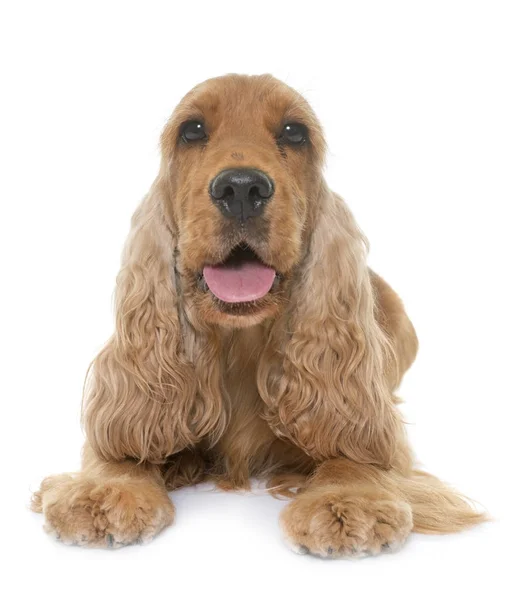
{"type": "Point", "coordinates": [323, 374]}
{"type": "Point", "coordinates": [143, 397]}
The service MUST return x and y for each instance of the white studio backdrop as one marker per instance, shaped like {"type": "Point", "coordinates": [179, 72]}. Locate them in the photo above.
{"type": "Point", "coordinates": [411, 96]}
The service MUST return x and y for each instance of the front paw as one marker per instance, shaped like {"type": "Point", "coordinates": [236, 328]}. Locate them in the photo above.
{"type": "Point", "coordinates": [102, 513]}
{"type": "Point", "coordinates": [334, 521]}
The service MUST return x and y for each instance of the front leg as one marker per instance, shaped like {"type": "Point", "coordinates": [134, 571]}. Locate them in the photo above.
{"type": "Point", "coordinates": [347, 510]}
{"type": "Point", "coordinates": [108, 504]}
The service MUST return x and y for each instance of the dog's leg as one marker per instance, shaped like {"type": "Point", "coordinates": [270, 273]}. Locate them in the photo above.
{"type": "Point", "coordinates": [347, 510]}
{"type": "Point", "coordinates": [105, 505]}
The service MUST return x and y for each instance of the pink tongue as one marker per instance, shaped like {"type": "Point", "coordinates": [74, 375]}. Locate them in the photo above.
{"type": "Point", "coordinates": [244, 282]}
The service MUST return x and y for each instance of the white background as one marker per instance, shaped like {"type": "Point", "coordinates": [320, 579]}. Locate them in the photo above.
{"type": "Point", "coordinates": [411, 95]}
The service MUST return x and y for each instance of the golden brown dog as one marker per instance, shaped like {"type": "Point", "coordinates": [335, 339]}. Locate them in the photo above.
{"type": "Point", "coordinates": [251, 340]}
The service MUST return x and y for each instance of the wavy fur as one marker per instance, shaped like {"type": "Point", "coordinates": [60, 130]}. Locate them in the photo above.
{"type": "Point", "coordinates": [328, 393]}
{"type": "Point", "coordinates": [144, 399]}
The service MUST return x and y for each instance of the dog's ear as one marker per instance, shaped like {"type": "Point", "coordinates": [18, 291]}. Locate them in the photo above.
{"type": "Point", "coordinates": [142, 398]}
{"type": "Point", "coordinates": [323, 374]}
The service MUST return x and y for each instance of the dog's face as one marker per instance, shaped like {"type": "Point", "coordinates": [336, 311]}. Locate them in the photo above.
{"type": "Point", "coordinates": [242, 160]}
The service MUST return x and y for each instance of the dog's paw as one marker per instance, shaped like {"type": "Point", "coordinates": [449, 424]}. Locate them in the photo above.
{"type": "Point", "coordinates": [335, 522]}
{"type": "Point", "coordinates": [110, 514]}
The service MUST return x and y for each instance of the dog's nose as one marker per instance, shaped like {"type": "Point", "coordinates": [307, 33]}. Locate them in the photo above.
{"type": "Point", "coordinates": [241, 193]}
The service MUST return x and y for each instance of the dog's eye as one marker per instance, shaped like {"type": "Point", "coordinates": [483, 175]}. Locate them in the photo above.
{"type": "Point", "coordinates": [193, 131]}
{"type": "Point", "coordinates": [294, 134]}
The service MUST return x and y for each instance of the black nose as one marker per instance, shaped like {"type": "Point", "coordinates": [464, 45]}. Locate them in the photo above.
{"type": "Point", "coordinates": [241, 193]}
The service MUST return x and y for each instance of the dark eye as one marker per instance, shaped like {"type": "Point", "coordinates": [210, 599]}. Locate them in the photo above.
{"type": "Point", "coordinates": [193, 131]}
{"type": "Point", "coordinates": [294, 134]}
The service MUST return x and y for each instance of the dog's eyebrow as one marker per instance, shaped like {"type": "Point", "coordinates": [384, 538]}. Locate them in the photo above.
{"type": "Point", "coordinates": [294, 119]}
{"type": "Point", "coordinates": [189, 113]}
{"type": "Point", "coordinates": [298, 114]}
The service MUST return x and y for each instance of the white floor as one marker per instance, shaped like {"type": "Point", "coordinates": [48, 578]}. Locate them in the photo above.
{"type": "Point", "coordinates": [227, 545]}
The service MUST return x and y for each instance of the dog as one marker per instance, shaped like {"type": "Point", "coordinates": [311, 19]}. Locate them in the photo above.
{"type": "Point", "coordinates": [251, 341]}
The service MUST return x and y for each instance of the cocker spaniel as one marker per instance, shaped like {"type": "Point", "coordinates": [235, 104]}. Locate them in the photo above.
{"type": "Point", "coordinates": [251, 341]}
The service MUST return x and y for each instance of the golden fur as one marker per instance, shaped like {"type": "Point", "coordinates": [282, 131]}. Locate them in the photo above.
{"type": "Point", "coordinates": [297, 389]}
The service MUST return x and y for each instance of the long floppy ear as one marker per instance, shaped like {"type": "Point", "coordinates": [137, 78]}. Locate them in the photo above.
{"type": "Point", "coordinates": [143, 396]}
{"type": "Point", "coordinates": [323, 374]}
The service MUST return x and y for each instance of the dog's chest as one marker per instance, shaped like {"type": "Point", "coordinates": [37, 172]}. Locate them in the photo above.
{"type": "Point", "coordinates": [248, 446]}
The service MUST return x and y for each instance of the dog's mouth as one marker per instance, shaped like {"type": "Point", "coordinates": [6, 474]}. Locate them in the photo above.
{"type": "Point", "coordinates": [242, 277]}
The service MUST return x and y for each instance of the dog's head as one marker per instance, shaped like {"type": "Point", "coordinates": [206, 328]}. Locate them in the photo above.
{"type": "Point", "coordinates": [241, 161]}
